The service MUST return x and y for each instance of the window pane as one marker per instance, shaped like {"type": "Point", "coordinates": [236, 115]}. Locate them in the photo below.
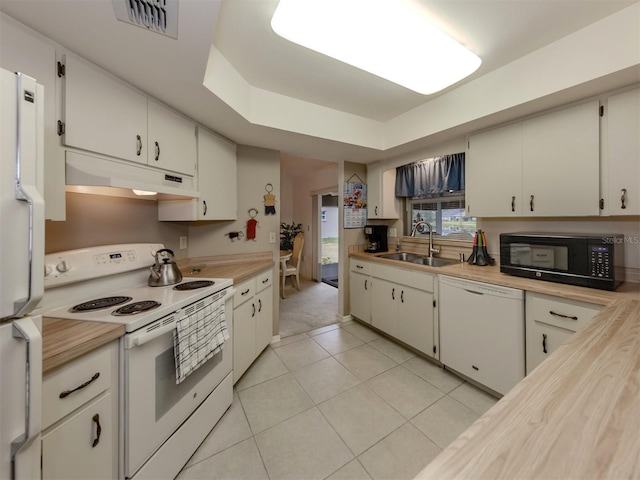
{"type": "Point", "coordinates": [456, 224]}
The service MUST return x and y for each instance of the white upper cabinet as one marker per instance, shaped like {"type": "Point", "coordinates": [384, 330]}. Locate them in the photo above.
{"type": "Point", "coordinates": [107, 116]}
{"type": "Point", "coordinates": [217, 184]}
{"type": "Point", "coordinates": [171, 140]}
{"type": "Point", "coordinates": [547, 166]}
{"type": "Point", "coordinates": [381, 192]}
{"type": "Point", "coordinates": [561, 162]}
{"type": "Point", "coordinates": [493, 167]}
{"type": "Point", "coordinates": [623, 117]}
{"type": "Point", "coordinates": [102, 114]}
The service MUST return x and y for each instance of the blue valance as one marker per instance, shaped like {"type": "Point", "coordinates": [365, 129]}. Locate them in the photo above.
{"type": "Point", "coordinates": [434, 176]}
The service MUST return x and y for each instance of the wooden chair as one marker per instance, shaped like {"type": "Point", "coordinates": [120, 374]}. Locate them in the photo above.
{"type": "Point", "coordinates": [291, 268]}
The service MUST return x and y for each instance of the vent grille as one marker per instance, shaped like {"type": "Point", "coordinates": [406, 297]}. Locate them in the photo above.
{"type": "Point", "coordinates": [160, 16]}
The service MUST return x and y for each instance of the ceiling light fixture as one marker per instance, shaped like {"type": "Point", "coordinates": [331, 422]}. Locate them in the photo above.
{"type": "Point", "coordinates": [392, 39]}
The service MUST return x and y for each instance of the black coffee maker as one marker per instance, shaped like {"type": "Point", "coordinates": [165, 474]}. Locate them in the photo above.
{"type": "Point", "coordinates": [376, 238]}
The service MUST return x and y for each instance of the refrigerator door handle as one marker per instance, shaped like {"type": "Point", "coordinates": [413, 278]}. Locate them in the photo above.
{"type": "Point", "coordinates": [27, 139]}
{"type": "Point", "coordinates": [28, 331]}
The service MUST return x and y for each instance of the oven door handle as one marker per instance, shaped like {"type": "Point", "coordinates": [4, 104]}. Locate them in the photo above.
{"type": "Point", "coordinates": [140, 338]}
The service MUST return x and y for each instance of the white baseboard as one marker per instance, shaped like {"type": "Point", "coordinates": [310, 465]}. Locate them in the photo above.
{"type": "Point", "coordinates": [344, 318]}
{"type": "Point", "coordinates": [275, 339]}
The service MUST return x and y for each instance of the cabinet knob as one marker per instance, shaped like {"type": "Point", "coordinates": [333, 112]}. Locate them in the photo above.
{"type": "Point", "coordinates": [63, 266]}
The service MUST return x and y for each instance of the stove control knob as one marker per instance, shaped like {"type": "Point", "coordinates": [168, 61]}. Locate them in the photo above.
{"type": "Point", "coordinates": [47, 270]}
{"type": "Point", "coordinates": [63, 266]}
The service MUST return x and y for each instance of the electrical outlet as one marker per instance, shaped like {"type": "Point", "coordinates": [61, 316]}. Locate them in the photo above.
{"type": "Point", "coordinates": [393, 232]}
{"type": "Point", "coordinates": [272, 237]}
{"type": "Point", "coordinates": [183, 243]}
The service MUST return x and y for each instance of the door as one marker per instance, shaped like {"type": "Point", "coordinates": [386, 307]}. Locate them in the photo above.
{"type": "Point", "coordinates": [329, 233]}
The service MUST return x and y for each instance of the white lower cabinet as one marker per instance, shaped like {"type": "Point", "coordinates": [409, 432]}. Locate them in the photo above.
{"type": "Point", "coordinates": [252, 321]}
{"type": "Point", "coordinates": [402, 305]}
{"type": "Point", "coordinates": [80, 417]}
{"type": "Point", "coordinates": [360, 290]}
{"type": "Point", "coordinates": [550, 321]}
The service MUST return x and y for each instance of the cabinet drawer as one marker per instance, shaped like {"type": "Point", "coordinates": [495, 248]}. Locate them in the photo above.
{"type": "Point", "coordinates": [264, 280]}
{"type": "Point", "coordinates": [244, 291]}
{"type": "Point", "coordinates": [360, 267]}
{"type": "Point", "coordinates": [76, 383]}
{"type": "Point", "coordinates": [561, 312]}
{"type": "Point", "coordinates": [419, 280]}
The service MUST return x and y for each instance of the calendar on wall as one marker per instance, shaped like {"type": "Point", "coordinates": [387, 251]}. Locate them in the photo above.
{"type": "Point", "coordinates": [355, 203]}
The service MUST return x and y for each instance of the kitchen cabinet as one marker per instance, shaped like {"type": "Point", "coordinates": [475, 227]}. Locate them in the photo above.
{"type": "Point", "coordinates": [623, 166]}
{"type": "Point", "coordinates": [23, 50]}
{"type": "Point", "coordinates": [360, 290]}
{"type": "Point", "coordinates": [544, 166]}
{"type": "Point", "coordinates": [381, 200]}
{"type": "Point", "coordinates": [105, 115]}
{"type": "Point", "coordinates": [402, 305]}
{"type": "Point", "coordinates": [217, 184]}
{"type": "Point", "coordinates": [482, 332]}
{"type": "Point", "coordinates": [80, 417]}
{"type": "Point", "coordinates": [550, 321]}
{"type": "Point", "coordinates": [252, 321]}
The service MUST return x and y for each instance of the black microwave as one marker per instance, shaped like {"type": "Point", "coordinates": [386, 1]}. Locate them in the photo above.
{"type": "Point", "coordinates": [593, 261]}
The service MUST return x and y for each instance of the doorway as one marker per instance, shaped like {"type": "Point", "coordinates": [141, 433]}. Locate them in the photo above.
{"type": "Point", "coordinates": [329, 237]}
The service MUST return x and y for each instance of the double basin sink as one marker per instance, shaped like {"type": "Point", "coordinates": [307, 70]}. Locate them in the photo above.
{"type": "Point", "coordinates": [419, 259]}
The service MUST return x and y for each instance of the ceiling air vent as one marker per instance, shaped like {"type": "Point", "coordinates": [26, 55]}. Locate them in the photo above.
{"type": "Point", "coordinates": [160, 16]}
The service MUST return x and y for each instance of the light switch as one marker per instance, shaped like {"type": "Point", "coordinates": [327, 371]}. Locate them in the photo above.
{"type": "Point", "coordinates": [393, 232]}
{"type": "Point", "coordinates": [183, 243]}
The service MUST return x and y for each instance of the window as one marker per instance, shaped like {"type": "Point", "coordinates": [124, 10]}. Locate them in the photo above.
{"type": "Point", "coordinates": [446, 213]}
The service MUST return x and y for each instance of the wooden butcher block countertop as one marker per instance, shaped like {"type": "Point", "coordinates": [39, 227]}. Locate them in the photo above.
{"type": "Point", "coordinates": [576, 416]}
{"type": "Point", "coordinates": [65, 340]}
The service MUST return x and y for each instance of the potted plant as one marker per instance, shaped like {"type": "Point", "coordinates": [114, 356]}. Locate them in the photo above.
{"type": "Point", "coordinates": [288, 231]}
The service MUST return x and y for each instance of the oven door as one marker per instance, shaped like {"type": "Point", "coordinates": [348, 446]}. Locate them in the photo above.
{"type": "Point", "coordinates": [155, 406]}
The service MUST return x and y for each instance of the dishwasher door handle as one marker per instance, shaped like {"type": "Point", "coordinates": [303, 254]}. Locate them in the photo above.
{"type": "Point", "coordinates": [474, 292]}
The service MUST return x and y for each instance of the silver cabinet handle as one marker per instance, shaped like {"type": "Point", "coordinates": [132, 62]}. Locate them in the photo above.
{"type": "Point", "coordinates": [623, 198]}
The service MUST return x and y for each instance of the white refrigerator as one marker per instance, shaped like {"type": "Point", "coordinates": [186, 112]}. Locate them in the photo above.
{"type": "Point", "coordinates": [21, 273]}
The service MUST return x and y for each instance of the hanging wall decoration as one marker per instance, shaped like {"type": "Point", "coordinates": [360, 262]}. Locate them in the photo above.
{"type": "Point", "coordinates": [252, 224]}
{"type": "Point", "coordinates": [355, 202]}
{"type": "Point", "coordinates": [269, 200]}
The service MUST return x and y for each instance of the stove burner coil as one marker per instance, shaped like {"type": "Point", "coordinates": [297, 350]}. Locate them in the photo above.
{"type": "Point", "coordinates": [99, 303]}
{"type": "Point", "coordinates": [194, 285]}
{"type": "Point", "coordinates": [136, 307]}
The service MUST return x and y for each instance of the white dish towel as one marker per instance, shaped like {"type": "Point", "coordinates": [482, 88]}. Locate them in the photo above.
{"type": "Point", "coordinates": [200, 332]}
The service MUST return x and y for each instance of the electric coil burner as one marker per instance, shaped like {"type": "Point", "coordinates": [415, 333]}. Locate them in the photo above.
{"type": "Point", "coordinates": [99, 304]}
{"type": "Point", "coordinates": [136, 307]}
{"type": "Point", "coordinates": [194, 285]}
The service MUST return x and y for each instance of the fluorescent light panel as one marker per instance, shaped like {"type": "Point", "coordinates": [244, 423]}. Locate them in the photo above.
{"type": "Point", "coordinates": [390, 38]}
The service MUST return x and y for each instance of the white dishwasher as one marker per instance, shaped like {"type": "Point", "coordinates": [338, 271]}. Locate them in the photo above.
{"type": "Point", "coordinates": [482, 332]}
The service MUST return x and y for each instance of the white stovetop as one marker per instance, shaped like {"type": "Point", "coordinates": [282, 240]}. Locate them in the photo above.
{"type": "Point", "coordinates": [171, 300]}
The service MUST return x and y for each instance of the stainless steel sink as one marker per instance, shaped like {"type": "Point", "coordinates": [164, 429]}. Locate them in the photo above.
{"type": "Point", "coordinates": [433, 261]}
{"type": "Point", "coordinates": [402, 256]}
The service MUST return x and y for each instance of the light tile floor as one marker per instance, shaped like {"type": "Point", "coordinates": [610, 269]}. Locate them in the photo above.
{"type": "Point", "coordinates": [339, 402]}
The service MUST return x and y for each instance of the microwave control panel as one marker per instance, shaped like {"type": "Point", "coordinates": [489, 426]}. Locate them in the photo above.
{"type": "Point", "coordinates": [601, 261]}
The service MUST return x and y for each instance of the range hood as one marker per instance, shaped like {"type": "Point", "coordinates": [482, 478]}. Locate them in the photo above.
{"type": "Point", "coordinates": [102, 176]}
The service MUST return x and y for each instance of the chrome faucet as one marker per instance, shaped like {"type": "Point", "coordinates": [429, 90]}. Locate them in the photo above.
{"type": "Point", "coordinates": [432, 250]}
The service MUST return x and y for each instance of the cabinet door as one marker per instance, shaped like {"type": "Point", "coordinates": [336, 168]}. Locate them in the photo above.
{"type": "Point", "coordinates": [359, 297]}
{"type": "Point", "coordinates": [244, 338]}
{"type": "Point", "coordinates": [415, 319]}
{"type": "Point", "coordinates": [494, 173]}
{"type": "Point", "coordinates": [171, 141]}
{"type": "Point", "coordinates": [217, 178]}
{"type": "Point", "coordinates": [83, 445]}
{"type": "Point", "coordinates": [102, 114]}
{"type": "Point", "coordinates": [264, 319]}
{"type": "Point", "coordinates": [561, 161]}
{"type": "Point", "coordinates": [384, 306]}
{"type": "Point", "coordinates": [374, 190]}
{"type": "Point", "coordinates": [624, 153]}
{"type": "Point", "coordinates": [542, 341]}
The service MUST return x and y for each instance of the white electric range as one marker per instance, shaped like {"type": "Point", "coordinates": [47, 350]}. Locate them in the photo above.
{"type": "Point", "coordinates": [164, 420]}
